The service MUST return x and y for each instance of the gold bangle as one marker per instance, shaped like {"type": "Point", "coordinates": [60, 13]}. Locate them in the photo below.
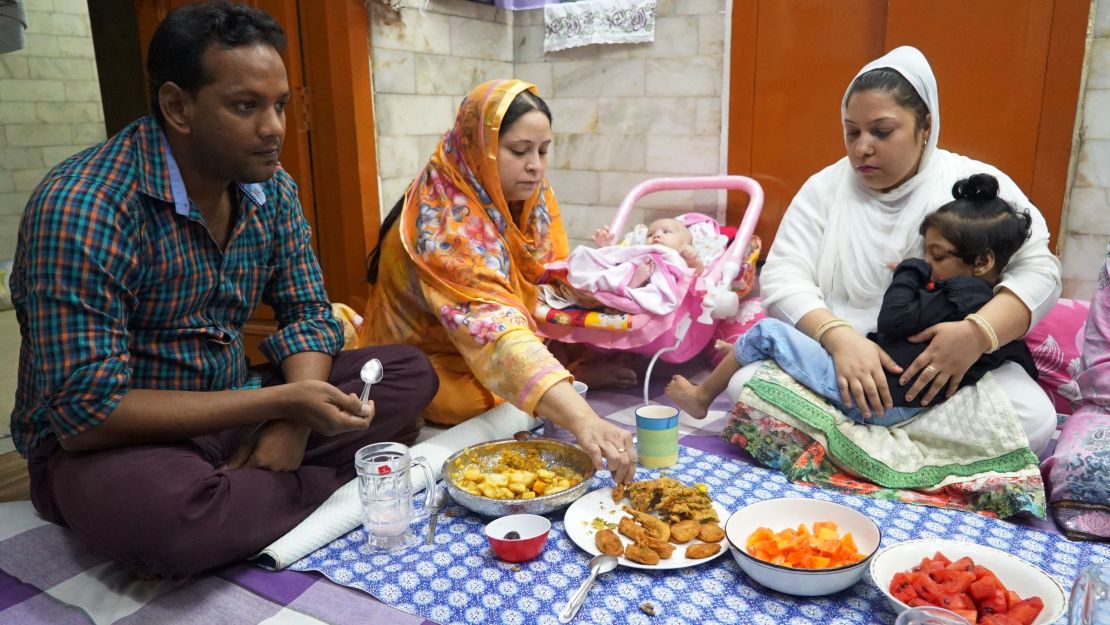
{"type": "Point", "coordinates": [824, 328]}
{"type": "Point", "coordinates": [988, 332]}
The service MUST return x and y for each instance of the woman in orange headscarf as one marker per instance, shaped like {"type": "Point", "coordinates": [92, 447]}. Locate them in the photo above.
{"type": "Point", "coordinates": [457, 276]}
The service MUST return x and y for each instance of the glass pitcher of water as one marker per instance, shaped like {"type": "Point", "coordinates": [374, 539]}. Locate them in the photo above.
{"type": "Point", "coordinates": [385, 490]}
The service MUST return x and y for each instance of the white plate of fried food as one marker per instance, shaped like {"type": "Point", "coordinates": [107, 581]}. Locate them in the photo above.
{"type": "Point", "coordinates": [645, 512]}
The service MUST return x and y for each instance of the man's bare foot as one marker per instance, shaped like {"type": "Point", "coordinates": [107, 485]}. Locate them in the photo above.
{"type": "Point", "coordinates": [688, 397]}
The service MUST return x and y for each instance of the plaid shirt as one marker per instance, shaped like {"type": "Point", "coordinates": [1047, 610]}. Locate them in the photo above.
{"type": "Point", "coordinates": [118, 284]}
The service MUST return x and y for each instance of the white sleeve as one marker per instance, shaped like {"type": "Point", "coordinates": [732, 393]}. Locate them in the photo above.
{"type": "Point", "coordinates": [1033, 273]}
{"type": "Point", "coordinates": [788, 282]}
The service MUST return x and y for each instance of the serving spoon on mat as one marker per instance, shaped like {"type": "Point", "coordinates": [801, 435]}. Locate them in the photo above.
{"type": "Point", "coordinates": [371, 374]}
{"type": "Point", "coordinates": [438, 504]}
{"type": "Point", "coordinates": [599, 564]}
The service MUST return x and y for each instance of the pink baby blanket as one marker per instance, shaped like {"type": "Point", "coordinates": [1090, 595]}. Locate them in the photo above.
{"type": "Point", "coordinates": [606, 273]}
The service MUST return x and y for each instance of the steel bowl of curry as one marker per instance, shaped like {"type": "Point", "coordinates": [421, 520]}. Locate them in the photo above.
{"type": "Point", "coordinates": [533, 476]}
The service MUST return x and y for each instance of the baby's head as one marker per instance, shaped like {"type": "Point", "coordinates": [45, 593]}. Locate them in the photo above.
{"type": "Point", "coordinates": [975, 234]}
{"type": "Point", "coordinates": [669, 232]}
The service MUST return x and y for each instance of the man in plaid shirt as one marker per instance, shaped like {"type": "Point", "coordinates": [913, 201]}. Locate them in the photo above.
{"type": "Point", "coordinates": [138, 262]}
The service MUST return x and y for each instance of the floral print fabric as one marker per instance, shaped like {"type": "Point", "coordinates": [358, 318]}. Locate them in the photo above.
{"type": "Point", "coordinates": [771, 428]}
{"type": "Point", "coordinates": [457, 277]}
{"type": "Point", "coordinates": [1080, 465]}
{"type": "Point", "coordinates": [586, 22]}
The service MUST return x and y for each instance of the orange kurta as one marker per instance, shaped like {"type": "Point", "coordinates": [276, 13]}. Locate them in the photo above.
{"type": "Point", "coordinates": [457, 275]}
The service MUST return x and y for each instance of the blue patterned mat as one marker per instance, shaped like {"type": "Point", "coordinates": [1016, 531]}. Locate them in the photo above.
{"type": "Point", "coordinates": [458, 580]}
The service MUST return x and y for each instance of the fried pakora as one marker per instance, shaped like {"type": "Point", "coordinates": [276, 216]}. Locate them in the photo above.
{"type": "Point", "coordinates": [639, 535]}
{"type": "Point", "coordinates": [642, 554]}
{"type": "Point", "coordinates": [653, 525]}
{"type": "Point", "coordinates": [618, 492]}
{"type": "Point", "coordinates": [684, 531]}
{"type": "Point", "coordinates": [698, 551]}
{"type": "Point", "coordinates": [687, 513]}
{"type": "Point", "coordinates": [711, 533]}
{"type": "Point", "coordinates": [609, 543]}
{"type": "Point", "coordinates": [673, 499]}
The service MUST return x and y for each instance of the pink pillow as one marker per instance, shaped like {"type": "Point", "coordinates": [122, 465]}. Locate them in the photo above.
{"type": "Point", "coordinates": [1057, 342]}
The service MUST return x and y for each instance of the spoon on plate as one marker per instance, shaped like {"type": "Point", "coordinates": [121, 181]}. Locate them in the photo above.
{"type": "Point", "coordinates": [599, 564]}
{"type": "Point", "coordinates": [371, 374]}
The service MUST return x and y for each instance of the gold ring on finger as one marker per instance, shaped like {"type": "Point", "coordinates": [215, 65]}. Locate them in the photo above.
{"type": "Point", "coordinates": [620, 450]}
{"type": "Point", "coordinates": [933, 370]}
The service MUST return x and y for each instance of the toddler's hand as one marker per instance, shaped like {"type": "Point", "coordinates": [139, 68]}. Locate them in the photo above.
{"type": "Point", "coordinates": [603, 237]}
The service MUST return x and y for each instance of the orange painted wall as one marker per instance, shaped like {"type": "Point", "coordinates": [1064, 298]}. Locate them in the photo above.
{"type": "Point", "coordinates": [1008, 75]}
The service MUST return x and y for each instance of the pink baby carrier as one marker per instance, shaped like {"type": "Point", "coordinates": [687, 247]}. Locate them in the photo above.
{"type": "Point", "coordinates": [714, 296]}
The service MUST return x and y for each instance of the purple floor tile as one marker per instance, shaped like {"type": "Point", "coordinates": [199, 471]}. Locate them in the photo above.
{"type": "Point", "coordinates": [282, 587]}
{"type": "Point", "coordinates": [43, 610]}
{"type": "Point", "coordinates": [340, 605]}
{"type": "Point", "coordinates": [13, 591]}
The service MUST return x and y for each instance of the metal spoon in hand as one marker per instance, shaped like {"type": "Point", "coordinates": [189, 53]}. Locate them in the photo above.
{"type": "Point", "coordinates": [599, 564]}
{"type": "Point", "coordinates": [371, 374]}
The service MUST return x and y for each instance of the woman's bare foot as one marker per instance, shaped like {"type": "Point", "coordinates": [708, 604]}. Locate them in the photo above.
{"type": "Point", "coordinates": [688, 397]}
{"type": "Point", "coordinates": [599, 375]}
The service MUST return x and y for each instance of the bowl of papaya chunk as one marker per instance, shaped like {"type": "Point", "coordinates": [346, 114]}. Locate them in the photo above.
{"type": "Point", "coordinates": [983, 585]}
{"type": "Point", "coordinates": [799, 546]}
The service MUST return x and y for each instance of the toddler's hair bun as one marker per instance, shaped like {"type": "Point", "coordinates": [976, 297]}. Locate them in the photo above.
{"type": "Point", "coordinates": [977, 188]}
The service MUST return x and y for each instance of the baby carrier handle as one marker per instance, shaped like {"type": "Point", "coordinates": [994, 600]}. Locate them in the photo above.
{"type": "Point", "coordinates": [739, 247]}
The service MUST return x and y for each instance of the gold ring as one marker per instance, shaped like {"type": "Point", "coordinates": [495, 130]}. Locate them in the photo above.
{"type": "Point", "coordinates": [931, 369]}
{"type": "Point", "coordinates": [620, 450]}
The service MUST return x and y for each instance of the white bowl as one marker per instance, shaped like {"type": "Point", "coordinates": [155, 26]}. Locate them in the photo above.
{"type": "Point", "coordinates": [779, 514]}
{"type": "Point", "coordinates": [1015, 573]}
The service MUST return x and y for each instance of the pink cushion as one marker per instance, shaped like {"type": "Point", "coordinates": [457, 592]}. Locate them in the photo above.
{"type": "Point", "coordinates": [1056, 342]}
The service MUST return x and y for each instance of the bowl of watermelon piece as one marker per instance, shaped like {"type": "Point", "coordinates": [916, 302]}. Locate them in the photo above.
{"type": "Point", "coordinates": [983, 585]}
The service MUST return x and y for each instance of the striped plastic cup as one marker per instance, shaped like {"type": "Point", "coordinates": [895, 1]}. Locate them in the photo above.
{"type": "Point", "coordinates": [657, 436]}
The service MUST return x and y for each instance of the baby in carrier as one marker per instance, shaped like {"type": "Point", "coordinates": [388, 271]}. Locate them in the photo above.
{"type": "Point", "coordinates": [651, 278]}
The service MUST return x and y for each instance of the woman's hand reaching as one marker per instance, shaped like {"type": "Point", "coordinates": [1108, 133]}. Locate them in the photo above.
{"type": "Point", "coordinates": [859, 370]}
{"type": "Point", "coordinates": [604, 441]}
{"type": "Point", "coordinates": [606, 444]}
{"type": "Point", "coordinates": [953, 347]}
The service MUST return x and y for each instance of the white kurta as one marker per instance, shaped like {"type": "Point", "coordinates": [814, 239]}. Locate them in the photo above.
{"type": "Point", "coordinates": [839, 239]}
{"type": "Point", "coordinates": [823, 258]}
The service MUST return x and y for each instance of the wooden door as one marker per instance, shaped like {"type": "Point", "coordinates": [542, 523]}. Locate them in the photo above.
{"type": "Point", "coordinates": [329, 136]}
{"type": "Point", "coordinates": [1008, 76]}
{"type": "Point", "coordinates": [295, 155]}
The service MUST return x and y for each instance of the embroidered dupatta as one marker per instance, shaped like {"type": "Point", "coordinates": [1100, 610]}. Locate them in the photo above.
{"type": "Point", "coordinates": [457, 226]}
{"type": "Point", "coordinates": [458, 276]}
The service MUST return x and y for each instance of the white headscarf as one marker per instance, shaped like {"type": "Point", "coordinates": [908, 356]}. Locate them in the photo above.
{"type": "Point", "coordinates": [839, 238]}
{"type": "Point", "coordinates": [879, 221]}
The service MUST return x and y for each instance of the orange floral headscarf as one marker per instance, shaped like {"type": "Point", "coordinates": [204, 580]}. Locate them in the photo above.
{"type": "Point", "coordinates": [456, 224]}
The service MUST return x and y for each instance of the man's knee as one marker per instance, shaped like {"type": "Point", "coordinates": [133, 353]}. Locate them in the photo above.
{"type": "Point", "coordinates": [155, 528]}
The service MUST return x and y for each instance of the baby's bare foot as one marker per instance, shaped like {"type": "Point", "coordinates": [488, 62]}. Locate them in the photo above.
{"type": "Point", "coordinates": [688, 397]}
{"type": "Point", "coordinates": [642, 273]}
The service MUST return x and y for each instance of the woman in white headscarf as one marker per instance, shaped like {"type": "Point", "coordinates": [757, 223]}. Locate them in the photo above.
{"type": "Point", "coordinates": [850, 224]}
